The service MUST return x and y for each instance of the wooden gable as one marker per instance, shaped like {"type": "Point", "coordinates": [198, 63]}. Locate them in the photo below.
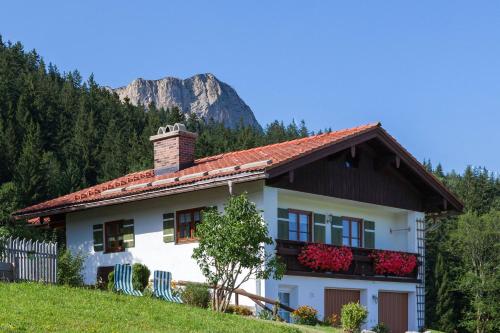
{"type": "Point", "coordinates": [369, 171]}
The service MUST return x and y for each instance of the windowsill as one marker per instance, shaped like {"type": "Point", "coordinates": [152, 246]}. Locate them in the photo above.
{"type": "Point", "coordinates": [114, 251]}
{"type": "Point", "coordinates": [187, 241]}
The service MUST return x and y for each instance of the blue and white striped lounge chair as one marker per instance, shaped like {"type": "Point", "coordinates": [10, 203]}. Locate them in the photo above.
{"type": "Point", "coordinates": [161, 287]}
{"type": "Point", "coordinates": [123, 280]}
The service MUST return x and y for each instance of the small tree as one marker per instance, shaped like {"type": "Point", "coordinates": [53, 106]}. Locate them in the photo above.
{"type": "Point", "coordinates": [232, 249]}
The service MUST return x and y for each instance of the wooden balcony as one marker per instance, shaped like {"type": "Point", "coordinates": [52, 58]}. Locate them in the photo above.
{"type": "Point", "coordinates": [362, 266]}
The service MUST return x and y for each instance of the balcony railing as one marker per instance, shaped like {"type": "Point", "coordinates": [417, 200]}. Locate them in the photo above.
{"type": "Point", "coordinates": [361, 268]}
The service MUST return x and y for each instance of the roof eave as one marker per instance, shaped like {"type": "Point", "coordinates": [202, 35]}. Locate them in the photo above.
{"type": "Point", "coordinates": [203, 184]}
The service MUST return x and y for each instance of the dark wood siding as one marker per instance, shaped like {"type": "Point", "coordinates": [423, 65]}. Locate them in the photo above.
{"type": "Point", "coordinates": [336, 298]}
{"type": "Point", "coordinates": [393, 311]}
{"type": "Point", "coordinates": [330, 176]}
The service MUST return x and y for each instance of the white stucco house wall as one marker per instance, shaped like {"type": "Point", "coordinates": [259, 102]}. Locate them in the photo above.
{"type": "Point", "coordinates": [356, 187]}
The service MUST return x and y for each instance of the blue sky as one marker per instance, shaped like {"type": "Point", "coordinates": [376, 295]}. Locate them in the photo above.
{"type": "Point", "coordinates": [428, 70]}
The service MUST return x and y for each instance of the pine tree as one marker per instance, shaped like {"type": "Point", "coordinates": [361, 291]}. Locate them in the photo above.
{"type": "Point", "coordinates": [444, 302]}
{"type": "Point", "coordinates": [29, 178]}
{"type": "Point", "coordinates": [175, 115]}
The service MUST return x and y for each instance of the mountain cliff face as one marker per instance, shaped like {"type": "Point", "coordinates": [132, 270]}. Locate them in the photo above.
{"type": "Point", "coordinates": [202, 94]}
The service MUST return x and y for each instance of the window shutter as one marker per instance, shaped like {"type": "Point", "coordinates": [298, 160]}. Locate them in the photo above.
{"type": "Point", "coordinates": [283, 223]}
{"type": "Point", "coordinates": [369, 234]}
{"type": "Point", "coordinates": [98, 237]}
{"type": "Point", "coordinates": [128, 233]}
{"type": "Point", "coordinates": [336, 230]}
{"type": "Point", "coordinates": [168, 228]}
{"type": "Point", "coordinates": [319, 228]}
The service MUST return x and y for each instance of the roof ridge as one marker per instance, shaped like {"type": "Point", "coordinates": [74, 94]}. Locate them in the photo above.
{"type": "Point", "coordinates": [307, 138]}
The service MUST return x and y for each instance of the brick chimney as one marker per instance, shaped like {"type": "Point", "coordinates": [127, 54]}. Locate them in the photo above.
{"type": "Point", "coordinates": [173, 148]}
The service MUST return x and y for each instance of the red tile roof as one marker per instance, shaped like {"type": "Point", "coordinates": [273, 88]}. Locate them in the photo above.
{"type": "Point", "coordinates": [253, 160]}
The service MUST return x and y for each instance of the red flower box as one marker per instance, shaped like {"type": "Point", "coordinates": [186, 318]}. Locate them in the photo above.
{"type": "Point", "coordinates": [396, 263]}
{"type": "Point", "coordinates": [322, 257]}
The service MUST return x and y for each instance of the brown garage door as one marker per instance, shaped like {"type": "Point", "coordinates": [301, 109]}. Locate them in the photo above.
{"type": "Point", "coordinates": [393, 311]}
{"type": "Point", "coordinates": [336, 298]}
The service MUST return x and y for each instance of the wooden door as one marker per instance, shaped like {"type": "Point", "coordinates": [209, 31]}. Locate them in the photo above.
{"type": "Point", "coordinates": [336, 298]}
{"type": "Point", "coordinates": [393, 311]}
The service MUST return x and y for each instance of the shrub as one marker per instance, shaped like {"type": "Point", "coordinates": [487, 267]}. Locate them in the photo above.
{"type": "Point", "coordinates": [69, 268]}
{"type": "Point", "coordinates": [148, 292]}
{"type": "Point", "coordinates": [265, 315]}
{"type": "Point", "coordinates": [239, 310]}
{"type": "Point", "coordinates": [323, 257]}
{"type": "Point", "coordinates": [305, 315]}
{"type": "Point", "coordinates": [196, 294]}
{"type": "Point", "coordinates": [380, 328]}
{"type": "Point", "coordinates": [140, 276]}
{"type": "Point", "coordinates": [352, 316]}
{"type": "Point", "coordinates": [332, 320]}
{"type": "Point", "coordinates": [111, 281]}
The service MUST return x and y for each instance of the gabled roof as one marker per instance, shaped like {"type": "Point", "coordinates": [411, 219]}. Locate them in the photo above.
{"type": "Point", "coordinates": [245, 165]}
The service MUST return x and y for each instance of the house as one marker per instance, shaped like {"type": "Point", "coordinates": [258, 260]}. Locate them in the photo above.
{"type": "Point", "coordinates": [355, 187]}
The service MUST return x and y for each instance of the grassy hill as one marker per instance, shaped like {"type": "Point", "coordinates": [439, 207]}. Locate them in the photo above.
{"type": "Point", "coordinates": [31, 307]}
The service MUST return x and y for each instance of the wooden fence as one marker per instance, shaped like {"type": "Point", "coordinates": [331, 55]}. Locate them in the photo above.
{"type": "Point", "coordinates": [31, 261]}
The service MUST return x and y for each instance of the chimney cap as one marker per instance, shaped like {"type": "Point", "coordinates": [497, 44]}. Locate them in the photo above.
{"type": "Point", "coordinates": [172, 128]}
{"type": "Point", "coordinates": [171, 131]}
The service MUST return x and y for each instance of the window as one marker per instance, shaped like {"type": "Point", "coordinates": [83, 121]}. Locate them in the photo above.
{"type": "Point", "coordinates": [103, 274]}
{"type": "Point", "coordinates": [284, 298]}
{"type": "Point", "coordinates": [319, 228]}
{"type": "Point", "coordinates": [351, 162]}
{"type": "Point", "coordinates": [299, 225]}
{"type": "Point", "coordinates": [351, 232]}
{"type": "Point", "coordinates": [187, 220]}
{"type": "Point", "coordinates": [119, 235]}
{"type": "Point", "coordinates": [168, 228]}
{"type": "Point", "coordinates": [98, 237]}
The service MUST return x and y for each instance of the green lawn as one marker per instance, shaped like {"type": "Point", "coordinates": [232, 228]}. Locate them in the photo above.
{"type": "Point", "coordinates": [31, 307]}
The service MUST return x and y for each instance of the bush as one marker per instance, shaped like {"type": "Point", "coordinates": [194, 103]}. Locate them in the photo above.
{"type": "Point", "coordinates": [265, 315]}
{"type": "Point", "coordinates": [305, 315]}
{"type": "Point", "coordinates": [352, 316]}
{"type": "Point", "coordinates": [111, 281]}
{"type": "Point", "coordinates": [196, 294]}
{"type": "Point", "coordinates": [380, 328]}
{"type": "Point", "coordinates": [239, 310]}
{"type": "Point", "coordinates": [69, 268]}
{"type": "Point", "coordinates": [332, 320]}
{"type": "Point", "coordinates": [140, 276]}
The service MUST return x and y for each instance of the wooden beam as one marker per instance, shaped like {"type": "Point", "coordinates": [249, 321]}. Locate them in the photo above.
{"type": "Point", "coordinates": [353, 151]}
{"type": "Point", "coordinates": [242, 292]}
{"type": "Point", "coordinates": [445, 204]}
{"type": "Point", "coordinates": [291, 176]}
{"type": "Point", "coordinates": [398, 161]}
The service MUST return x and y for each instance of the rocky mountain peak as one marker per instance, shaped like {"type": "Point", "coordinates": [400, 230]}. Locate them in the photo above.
{"type": "Point", "coordinates": [202, 94]}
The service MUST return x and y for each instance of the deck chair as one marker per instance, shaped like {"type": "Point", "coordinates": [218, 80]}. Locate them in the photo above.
{"type": "Point", "coordinates": [123, 280]}
{"type": "Point", "coordinates": [161, 287]}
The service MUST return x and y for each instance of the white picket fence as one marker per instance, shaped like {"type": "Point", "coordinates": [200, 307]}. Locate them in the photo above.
{"type": "Point", "coordinates": [32, 261]}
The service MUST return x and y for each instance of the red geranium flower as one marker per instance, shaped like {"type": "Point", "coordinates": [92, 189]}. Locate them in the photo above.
{"type": "Point", "coordinates": [389, 262]}
{"type": "Point", "coordinates": [323, 257]}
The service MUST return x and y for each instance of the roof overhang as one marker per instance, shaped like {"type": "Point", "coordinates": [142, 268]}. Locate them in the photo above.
{"type": "Point", "coordinates": [153, 193]}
